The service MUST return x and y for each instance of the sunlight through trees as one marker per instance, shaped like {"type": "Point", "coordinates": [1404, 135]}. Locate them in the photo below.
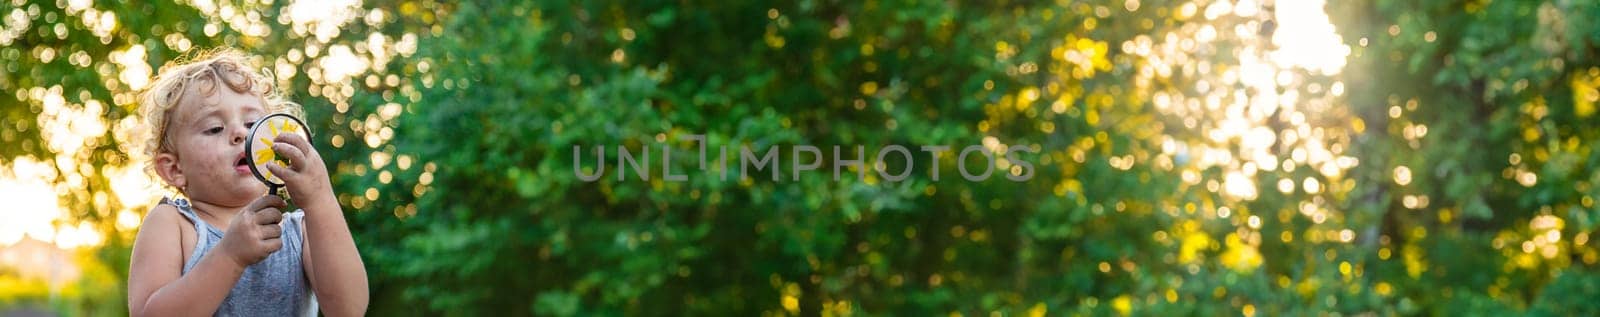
{"type": "Point", "coordinates": [1207, 157]}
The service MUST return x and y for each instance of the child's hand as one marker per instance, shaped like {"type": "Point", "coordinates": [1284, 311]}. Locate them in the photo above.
{"type": "Point", "coordinates": [254, 233]}
{"type": "Point", "coordinates": [306, 177]}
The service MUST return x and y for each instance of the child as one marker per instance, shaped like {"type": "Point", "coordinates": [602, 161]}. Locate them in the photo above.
{"type": "Point", "coordinates": [226, 248]}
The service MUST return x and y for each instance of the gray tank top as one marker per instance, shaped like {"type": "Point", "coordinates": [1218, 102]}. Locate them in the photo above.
{"type": "Point", "coordinates": [276, 286]}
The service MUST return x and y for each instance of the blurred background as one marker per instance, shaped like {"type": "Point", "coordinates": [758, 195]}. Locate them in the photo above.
{"type": "Point", "coordinates": [1206, 157]}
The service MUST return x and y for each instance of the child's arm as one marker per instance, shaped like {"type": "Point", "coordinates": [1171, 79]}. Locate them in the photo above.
{"type": "Point", "coordinates": [331, 260]}
{"type": "Point", "coordinates": [156, 285]}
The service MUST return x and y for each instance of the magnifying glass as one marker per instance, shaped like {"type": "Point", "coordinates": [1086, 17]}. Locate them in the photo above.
{"type": "Point", "coordinates": [259, 149]}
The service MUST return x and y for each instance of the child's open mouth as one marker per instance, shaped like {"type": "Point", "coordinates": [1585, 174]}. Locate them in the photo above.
{"type": "Point", "coordinates": [242, 166]}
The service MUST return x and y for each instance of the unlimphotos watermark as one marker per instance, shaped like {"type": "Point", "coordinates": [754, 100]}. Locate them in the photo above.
{"type": "Point", "coordinates": [770, 161]}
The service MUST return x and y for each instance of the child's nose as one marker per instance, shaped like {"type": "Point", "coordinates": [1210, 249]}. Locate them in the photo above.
{"type": "Point", "coordinates": [239, 135]}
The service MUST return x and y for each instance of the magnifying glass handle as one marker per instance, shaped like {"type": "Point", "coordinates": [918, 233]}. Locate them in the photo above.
{"type": "Point", "coordinates": [277, 190]}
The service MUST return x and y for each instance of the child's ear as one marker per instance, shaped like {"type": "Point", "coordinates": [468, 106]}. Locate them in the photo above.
{"type": "Point", "coordinates": [167, 167]}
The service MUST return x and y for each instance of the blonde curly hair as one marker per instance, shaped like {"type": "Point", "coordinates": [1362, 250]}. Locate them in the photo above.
{"type": "Point", "coordinates": [201, 74]}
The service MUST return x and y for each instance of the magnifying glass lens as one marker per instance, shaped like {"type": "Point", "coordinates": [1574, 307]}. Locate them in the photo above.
{"type": "Point", "coordinates": [259, 151]}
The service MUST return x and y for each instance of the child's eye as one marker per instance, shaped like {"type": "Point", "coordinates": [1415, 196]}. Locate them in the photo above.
{"type": "Point", "coordinates": [248, 125]}
{"type": "Point", "coordinates": [214, 130]}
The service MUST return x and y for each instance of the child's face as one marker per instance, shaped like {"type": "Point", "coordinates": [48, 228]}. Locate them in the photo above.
{"type": "Point", "coordinates": [208, 134]}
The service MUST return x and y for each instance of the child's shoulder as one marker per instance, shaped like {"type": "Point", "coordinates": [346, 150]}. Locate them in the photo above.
{"type": "Point", "coordinates": [162, 211]}
{"type": "Point", "coordinates": [164, 216]}
{"type": "Point", "coordinates": [165, 233]}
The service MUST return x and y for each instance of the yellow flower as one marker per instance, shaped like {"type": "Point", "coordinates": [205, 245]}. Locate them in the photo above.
{"type": "Point", "coordinates": [265, 153]}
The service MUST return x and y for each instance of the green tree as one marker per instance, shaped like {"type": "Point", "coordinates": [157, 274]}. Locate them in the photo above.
{"type": "Point", "coordinates": [1187, 157]}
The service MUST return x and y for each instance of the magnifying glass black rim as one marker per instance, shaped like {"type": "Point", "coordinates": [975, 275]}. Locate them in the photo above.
{"type": "Point", "coordinates": [248, 144]}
